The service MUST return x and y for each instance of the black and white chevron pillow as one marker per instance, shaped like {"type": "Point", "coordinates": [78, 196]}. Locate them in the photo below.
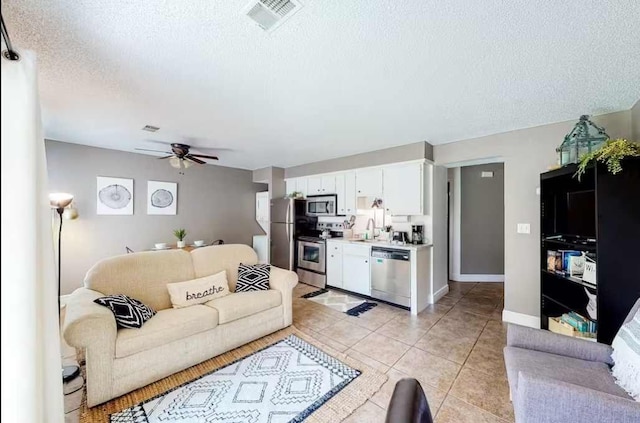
{"type": "Point", "coordinates": [129, 313]}
{"type": "Point", "coordinates": [253, 277]}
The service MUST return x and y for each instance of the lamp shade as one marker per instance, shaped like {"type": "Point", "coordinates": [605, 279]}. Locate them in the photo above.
{"type": "Point", "coordinates": [60, 200]}
{"type": "Point", "coordinates": [70, 213]}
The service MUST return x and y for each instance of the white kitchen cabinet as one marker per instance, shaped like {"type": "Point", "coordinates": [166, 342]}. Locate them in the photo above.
{"type": "Point", "coordinates": [403, 189]}
{"type": "Point", "coordinates": [320, 185]}
{"type": "Point", "coordinates": [340, 192]}
{"type": "Point", "coordinates": [355, 269]}
{"type": "Point", "coordinates": [369, 183]}
{"type": "Point", "coordinates": [296, 185]}
{"type": "Point", "coordinates": [334, 264]}
{"type": "Point", "coordinates": [290, 186]}
{"type": "Point", "coordinates": [314, 185]}
{"type": "Point", "coordinates": [329, 184]}
{"type": "Point", "coordinates": [301, 185]}
{"type": "Point", "coordinates": [350, 192]}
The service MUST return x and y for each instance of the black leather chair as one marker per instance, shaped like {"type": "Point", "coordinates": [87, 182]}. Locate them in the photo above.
{"type": "Point", "coordinates": [408, 404]}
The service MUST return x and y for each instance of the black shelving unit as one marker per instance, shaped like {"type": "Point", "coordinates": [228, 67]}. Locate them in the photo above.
{"type": "Point", "coordinates": [599, 214]}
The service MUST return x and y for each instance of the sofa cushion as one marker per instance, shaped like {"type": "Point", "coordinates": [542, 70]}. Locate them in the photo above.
{"type": "Point", "coordinates": [198, 291]}
{"type": "Point", "coordinates": [588, 374]}
{"type": "Point", "coordinates": [143, 276]}
{"type": "Point", "coordinates": [243, 304]}
{"type": "Point", "coordinates": [129, 312]}
{"type": "Point", "coordinates": [166, 326]}
{"type": "Point", "coordinates": [254, 277]}
{"type": "Point", "coordinates": [213, 259]}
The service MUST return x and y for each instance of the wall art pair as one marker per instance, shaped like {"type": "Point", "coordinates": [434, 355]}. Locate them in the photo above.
{"type": "Point", "coordinates": [115, 197]}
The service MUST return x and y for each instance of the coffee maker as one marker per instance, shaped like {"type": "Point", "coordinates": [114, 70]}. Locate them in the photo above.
{"type": "Point", "coordinates": [417, 234]}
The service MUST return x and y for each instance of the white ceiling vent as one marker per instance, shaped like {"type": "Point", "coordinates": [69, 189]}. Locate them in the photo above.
{"type": "Point", "coordinates": [270, 14]}
{"type": "Point", "coordinates": [150, 128]}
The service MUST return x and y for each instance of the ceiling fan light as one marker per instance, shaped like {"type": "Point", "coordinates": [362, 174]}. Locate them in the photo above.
{"type": "Point", "coordinates": [175, 162]}
{"type": "Point", "coordinates": [186, 163]}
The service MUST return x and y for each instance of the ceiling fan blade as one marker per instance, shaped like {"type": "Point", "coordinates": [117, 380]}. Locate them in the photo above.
{"type": "Point", "coordinates": [155, 151]}
{"type": "Point", "coordinates": [203, 156]}
{"type": "Point", "coordinates": [193, 159]}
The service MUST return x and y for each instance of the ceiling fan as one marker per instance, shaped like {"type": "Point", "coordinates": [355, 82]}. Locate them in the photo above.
{"type": "Point", "coordinates": [179, 156]}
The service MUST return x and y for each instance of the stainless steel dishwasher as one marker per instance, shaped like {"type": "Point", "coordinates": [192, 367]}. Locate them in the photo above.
{"type": "Point", "coordinates": [391, 275]}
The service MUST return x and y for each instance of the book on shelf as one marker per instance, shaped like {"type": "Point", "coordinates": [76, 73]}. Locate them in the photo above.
{"type": "Point", "coordinates": [579, 322]}
{"type": "Point", "coordinates": [551, 260]}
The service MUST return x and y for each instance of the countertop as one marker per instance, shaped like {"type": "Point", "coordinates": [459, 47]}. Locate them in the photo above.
{"type": "Point", "coordinates": [387, 244]}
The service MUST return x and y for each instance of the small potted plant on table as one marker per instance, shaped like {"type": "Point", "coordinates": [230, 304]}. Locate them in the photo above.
{"type": "Point", "coordinates": [180, 234]}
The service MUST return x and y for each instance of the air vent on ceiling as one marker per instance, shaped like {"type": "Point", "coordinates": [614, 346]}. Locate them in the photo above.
{"type": "Point", "coordinates": [270, 14]}
{"type": "Point", "coordinates": [150, 128]}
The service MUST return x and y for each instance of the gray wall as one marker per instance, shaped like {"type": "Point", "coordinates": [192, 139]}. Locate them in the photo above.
{"type": "Point", "coordinates": [482, 220]}
{"type": "Point", "coordinates": [403, 153]}
{"type": "Point", "coordinates": [274, 178]}
{"type": "Point", "coordinates": [214, 202]}
{"type": "Point", "coordinates": [635, 122]}
{"type": "Point", "coordinates": [526, 153]}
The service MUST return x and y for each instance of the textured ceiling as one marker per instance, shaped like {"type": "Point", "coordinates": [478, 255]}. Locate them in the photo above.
{"type": "Point", "coordinates": [340, 77]}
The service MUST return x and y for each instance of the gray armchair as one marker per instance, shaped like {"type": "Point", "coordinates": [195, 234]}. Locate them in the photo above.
{"type": "Point", "coordinates": [558, 379]}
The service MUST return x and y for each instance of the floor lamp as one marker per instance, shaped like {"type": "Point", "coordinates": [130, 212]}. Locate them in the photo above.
{"type": "Point", "coordinates": [59, 201]}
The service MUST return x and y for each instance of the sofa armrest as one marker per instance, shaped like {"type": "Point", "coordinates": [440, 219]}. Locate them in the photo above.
{"type": "Point", "coordinates": [87, 323]}
{"type": "Point", "coordinates": [543, 400]}
{"type": "Point", "coordinates": [554, 343]}
{"type": "Point", "coordinates": [284, 281]}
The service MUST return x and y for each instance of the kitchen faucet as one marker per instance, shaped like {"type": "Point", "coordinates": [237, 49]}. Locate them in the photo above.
{"type": "Point", "coordinates": [371, 223]}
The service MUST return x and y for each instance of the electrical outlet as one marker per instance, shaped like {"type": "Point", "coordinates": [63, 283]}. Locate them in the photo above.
{"type": "Point", "coordinates": [524, 228]}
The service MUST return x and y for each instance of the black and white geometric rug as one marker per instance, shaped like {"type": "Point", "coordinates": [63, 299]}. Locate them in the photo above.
{"type": "Point", "coordinates": [340, 301]}
{"type": "Point", "coordinates": [284, 382]}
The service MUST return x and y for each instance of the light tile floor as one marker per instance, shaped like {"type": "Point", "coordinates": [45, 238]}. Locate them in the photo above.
{"type": "Point", "coordinates": [454, 348]}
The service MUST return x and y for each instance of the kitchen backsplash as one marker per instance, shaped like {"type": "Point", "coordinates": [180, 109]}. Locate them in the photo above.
{"type": "Point", "coordinates": [381, 220]}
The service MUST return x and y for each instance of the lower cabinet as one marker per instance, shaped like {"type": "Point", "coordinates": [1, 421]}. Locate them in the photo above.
{"type": "Point", "coordinates": [348, 267]}
{"type": "Point", "coordinates": [334, 264]}
{"type": "Point", "coordinates": [355, 269]}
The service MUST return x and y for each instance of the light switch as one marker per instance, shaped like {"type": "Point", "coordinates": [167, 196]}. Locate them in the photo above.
{"type": "Point", "coordinates": [524, 228]}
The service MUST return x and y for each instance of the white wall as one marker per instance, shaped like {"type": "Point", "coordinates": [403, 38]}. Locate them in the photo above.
{"type": "Point", "coordinates": [439, 237]}
{"type": "Point", "coordinates": [526, 154]}
{"type": "Point", "coordinates": [214, 202]}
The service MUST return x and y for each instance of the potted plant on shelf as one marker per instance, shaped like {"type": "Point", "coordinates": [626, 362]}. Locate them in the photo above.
{"type": "Point", "coordinates": [180, 234]}
{"type": "Point", "coordinates": [612, 153]}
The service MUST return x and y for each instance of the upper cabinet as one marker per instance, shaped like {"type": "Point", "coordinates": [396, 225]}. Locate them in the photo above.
{"type": "Point", "coordinates": [314, 185]}
{"type": "Point", "coordinates": [369, 183]}
{"type": "Point", "coordinates": [350, 193]}
{"type": "Point", "coordinates": [403, 189]}
{"type": "Point", "coordinates": [329, 184]}
{"type": "Point", "coordinates": [301, 185]}
{"type": "Point", "coordinates": [320, 185]}
{"type": "Point", "coordinates": [290, 186]}
{"type": "Point", "coordinates": [340, 192]}
{"type": "Point", "coordinates": [296, 185]}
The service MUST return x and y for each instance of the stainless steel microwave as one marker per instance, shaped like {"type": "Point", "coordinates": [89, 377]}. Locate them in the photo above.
{"type": "Point", "coordinates": [321, 205]}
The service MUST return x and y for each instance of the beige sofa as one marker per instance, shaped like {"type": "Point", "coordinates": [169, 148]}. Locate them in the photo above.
{"type": "Point", "coordinates": [121, 360]}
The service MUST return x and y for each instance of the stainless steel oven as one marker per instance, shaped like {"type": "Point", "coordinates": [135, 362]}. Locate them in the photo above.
{"type": "Point", "coordinates": [321, 205]}
{"type": "Point", "coordinates": [311, 255]}
{"type": "Point", "coordinates": [311, 263]}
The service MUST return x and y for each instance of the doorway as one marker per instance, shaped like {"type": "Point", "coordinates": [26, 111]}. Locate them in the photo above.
{"type": "Point", "coordinates": [476, 222]}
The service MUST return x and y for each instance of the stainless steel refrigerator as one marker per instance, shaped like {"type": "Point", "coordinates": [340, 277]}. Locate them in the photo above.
{"type": "Point", "coordinates": [287, 222]}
